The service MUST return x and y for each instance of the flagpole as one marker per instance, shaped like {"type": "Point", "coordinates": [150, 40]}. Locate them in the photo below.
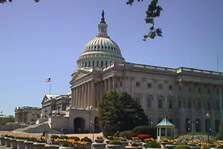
{"type": "Point", "coordinates": [50, 87]}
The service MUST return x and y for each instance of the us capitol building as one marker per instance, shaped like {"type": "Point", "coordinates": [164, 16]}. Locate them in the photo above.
{"type": "Point", "coordinates": [184, 95]}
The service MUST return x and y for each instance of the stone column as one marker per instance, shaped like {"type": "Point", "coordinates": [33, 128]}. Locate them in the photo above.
{"type": "Point", "coordinates": [202, 98]}
{"type": "Point", "coordinates": [193, 97]}
{"type": "Point", "coordinates": [93, 94]}
{"type": "Point", "coordinates": [84, 95]}
{"type": "Point", "coordinates": [113, 83]}
{"type": "Point", "coordinates": [109, 85]}
{"type": "Point", "coordinates": [212, 98]}
{"type": "Point", "coordinates": [220, 99]}
{"type": "Point", "coordinates": [80, 99]}
{"type": "Point", "coordinates": [77, 96]}
{"type": "Point", "coordinates": [73, 97]}
{"type": "Point", "coordinates": [89, 93]}
{"type": "Point", "coordinates": [73, 104]}
{"type": "Point", "coordinates": [86, 92]}
{"type": "Point", "coordinates": [98, 93]}
{"type": "Point", "coordinates": [182, 94]}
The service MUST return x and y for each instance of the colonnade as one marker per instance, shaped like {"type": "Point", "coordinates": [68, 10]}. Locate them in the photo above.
{"type": "Point", "coordinates": [89, 93]}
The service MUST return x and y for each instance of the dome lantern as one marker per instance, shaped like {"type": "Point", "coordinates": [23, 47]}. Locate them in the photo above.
{"type": "Point", "coordinates": [102, 27]}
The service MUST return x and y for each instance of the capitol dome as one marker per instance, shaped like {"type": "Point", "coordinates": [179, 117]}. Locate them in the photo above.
{"type": "Point", "coordinates": [101, 50]}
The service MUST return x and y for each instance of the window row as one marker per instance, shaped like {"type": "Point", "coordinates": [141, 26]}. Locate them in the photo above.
{"type": "Point", "coordinates": [95, 64]}
{"type": "Point", "coordinates": [101, 47]}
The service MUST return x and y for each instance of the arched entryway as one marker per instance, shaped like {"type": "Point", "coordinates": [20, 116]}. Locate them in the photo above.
{"type": "Point", "coordinates": [79, 125]}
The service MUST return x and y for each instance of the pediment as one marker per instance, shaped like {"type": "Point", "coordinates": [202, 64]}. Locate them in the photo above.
{"type": "Point", "coordinates": [80, 74]}
{"type": "Point", "coordinates": [45, 99]}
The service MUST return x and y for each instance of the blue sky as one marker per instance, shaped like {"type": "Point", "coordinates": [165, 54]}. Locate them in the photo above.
{"type": "Point", "coordinates": [44, 40]}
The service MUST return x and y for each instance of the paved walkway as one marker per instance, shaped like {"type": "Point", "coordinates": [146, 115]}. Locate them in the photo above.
{"type": "Point", "coordinates": [3, 147]}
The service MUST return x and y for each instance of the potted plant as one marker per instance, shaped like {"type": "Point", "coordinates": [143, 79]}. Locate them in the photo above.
{"type": "Point", "coordinates": [88, 141]}
{"type": "Point", "coordinates": [99, 139]}
{"type": "Point", "coordinates": [114, 144]}
{"type": "Point", "coordinates": [153, 144]}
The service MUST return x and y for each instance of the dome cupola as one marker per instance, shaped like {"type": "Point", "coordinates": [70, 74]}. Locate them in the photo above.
{"type": "Point", "coordinates": [101, 50]}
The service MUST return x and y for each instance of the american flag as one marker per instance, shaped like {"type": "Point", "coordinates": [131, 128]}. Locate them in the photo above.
{"type": "Point", "coordinates": [48, 79]}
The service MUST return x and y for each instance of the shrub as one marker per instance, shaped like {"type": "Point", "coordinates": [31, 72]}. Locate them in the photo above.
{"type": "Point", "coordinates": [74, 138]}
{"type": "Point", "coordinates": [63, 137]}
{"type": "Point", "coordinates": [54, 137]}
{"type": "Point", "coordinates": [131, 135]}
{"type": "Point", "coordinates": [153, 144]}
{"type": "Point", "coordinates": [86, 139]}
{"type": "Point", "coordinates": [150, 130]}
{"type": "Point", "coordinates": [115, 142]}
{"type": "Point", "coordinates": [142, 137]}
{"type": "Point", "coordinates": [182, 147]}
{"type": "Point", "coordinates": [125, 133]}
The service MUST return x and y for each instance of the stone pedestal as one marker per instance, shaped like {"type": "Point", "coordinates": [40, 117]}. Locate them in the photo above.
{"type": "Point", "coordinates": [39, 145]}
{"type": "Point", "coordinates": [13, 143]}
{"type": "Point", "coordinates": [28, 145]}
{"type": "Point", "coordinates": [98, 145]}
{"type": "Point", "coordinates": [2, 141]}
{"type": "Point", "coordinates": [133, 147]}
{"type": "Point", "coordinates": [20, 144]}
{"type": "Point", "coordinates": [7, 142]}
{"type": "Point", "coordinates": [114, 146]}
{"type": "Point", "coordinates": [50, 146]}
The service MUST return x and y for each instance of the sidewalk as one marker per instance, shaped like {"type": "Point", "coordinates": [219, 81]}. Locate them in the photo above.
{"type": "Point", "coordinates": [3, 147]}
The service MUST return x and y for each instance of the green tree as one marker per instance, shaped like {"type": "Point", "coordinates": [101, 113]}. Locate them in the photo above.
{"type": "Point", "coordinates": [119, 113]}
{"type": "Point", "coordinates": [4, 120]}
{"type": "Point", "coordinates": [152, 12]}
{"type": "Point", "coordinates": [220, 133]}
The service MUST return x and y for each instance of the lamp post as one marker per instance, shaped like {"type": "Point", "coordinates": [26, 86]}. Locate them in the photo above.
{"type": "Point", "coordinates": [91, 122]}
{"type": "Point", "coordinates": [208, 124]}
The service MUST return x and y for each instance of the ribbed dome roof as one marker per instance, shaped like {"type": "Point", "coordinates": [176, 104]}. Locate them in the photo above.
{"type": "Point", "coordinates": [101, 50]}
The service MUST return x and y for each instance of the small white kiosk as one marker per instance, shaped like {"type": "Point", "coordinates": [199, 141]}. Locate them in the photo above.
{"type": "Point", "coordinates": [165, 129]}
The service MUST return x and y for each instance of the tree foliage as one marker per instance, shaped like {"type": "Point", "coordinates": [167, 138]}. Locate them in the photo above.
{"type": "Point", "coordinates": [152, 12]}
{"type": "Point", "coordinates": [5, 1]}
{"type": "Point", "coordinates": [120, 113]}
{"type": "Point", "coordinates": [220, 133]}
{"type": "Point", "coordinates": [4, 120]}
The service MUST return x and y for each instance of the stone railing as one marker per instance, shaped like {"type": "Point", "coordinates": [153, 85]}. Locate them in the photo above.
{"type": "Point", "coordinates": [184, 69]}
{"type": "Point", "coordinates": [162, 69]}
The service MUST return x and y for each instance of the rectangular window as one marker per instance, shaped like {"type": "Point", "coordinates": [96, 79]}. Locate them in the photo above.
{"type": "Point", "coordinates": [160, 104]}
{"type": "Point", "coordinates": [170, 105]}
{"type": "Point", "coordinates": [120, 84]}
{"type": "Point", "coordinates": [179, 104]}
{"type": "Point", "coordinates": [102, 64]}
{"type": "Point", "coordinates": [97, 63]}
{"type": "Point", "coordinates": [149, 104]}
{"type": "Point", "coordinates": [137, 84]}
{"type": "Point", "coordinates": [179, 88]}
{"type": "Point", "coordinates": [160, 86]}
{"type": "Point", "coordinates": [189, 89]}
{"type": "Point", "coordinates": [149, 85]}
{"type": "Point", "coordinates": [93, 63]}
{"type": "Point", "coordinates": [170, 87]}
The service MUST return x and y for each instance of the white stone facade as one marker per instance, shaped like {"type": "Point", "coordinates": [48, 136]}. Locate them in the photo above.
{"type": "Point", "coordinates": [184, 95]}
